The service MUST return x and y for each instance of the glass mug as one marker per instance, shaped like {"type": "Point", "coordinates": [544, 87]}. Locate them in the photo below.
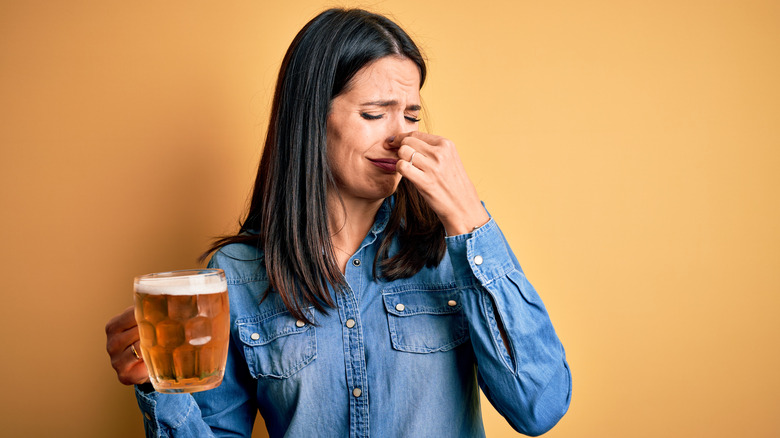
{"type": "Point", "coordinates": [184, 324]}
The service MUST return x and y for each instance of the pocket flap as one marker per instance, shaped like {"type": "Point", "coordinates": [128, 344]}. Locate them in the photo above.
{"type": "Point", "coordinates": [262, 329]}
{"type": "Point", "coordinates": [422, 301]}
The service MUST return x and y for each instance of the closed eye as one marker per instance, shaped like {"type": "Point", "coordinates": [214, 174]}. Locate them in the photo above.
{"type": "Point", "coordinates": [369, 116]}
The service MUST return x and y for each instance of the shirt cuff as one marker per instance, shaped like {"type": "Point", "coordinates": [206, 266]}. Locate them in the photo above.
{"type": "Point", "coordinates": [168, 410]}
{"type": "Point", "coordinates": [481, 254]}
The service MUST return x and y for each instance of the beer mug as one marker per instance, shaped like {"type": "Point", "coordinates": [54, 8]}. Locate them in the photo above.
{"type": "Point", "coordinates": [184, 324]}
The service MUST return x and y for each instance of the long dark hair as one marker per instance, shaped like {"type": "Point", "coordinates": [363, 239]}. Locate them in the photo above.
{"type": "Point", "coordinates": [288, 215]}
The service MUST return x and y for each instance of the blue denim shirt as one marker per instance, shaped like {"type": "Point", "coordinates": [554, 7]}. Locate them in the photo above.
{"type": "Point", "coordinates": [394, 359]}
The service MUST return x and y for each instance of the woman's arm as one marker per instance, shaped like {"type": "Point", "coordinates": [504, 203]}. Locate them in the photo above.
{"type": "Point", "coordinates": [521, 363]}
{"type": "Point", "coordinates": [227, 410]}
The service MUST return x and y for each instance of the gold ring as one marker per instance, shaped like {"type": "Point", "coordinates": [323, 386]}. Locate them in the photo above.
{"type": "Point", "coordinates": [412, 158]}
{"type": "Point", "coordinates": [135, 353]}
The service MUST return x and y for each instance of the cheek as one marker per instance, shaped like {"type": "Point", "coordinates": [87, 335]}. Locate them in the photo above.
{"type": "Point", "coordinates": [348, 141]}
{"type": "Point", "coordinates": [343, 158]}
{"type": "Point", "coordinates": [348, 146]}
{"type": "Point", "coordinates": [338, 152]}
{"type": "Point", "coordinates": [334, 144]}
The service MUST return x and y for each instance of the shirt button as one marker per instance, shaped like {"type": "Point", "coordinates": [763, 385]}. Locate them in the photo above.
{"type": "Point", "coordinates": [478, 260]}
{"type": "Point", "coordinates": [356, 262]}
{"type": "Point", "coordinates": [147, 416]}
{"type": "Point", "coordinates": [452, 303]}
{"type": "Point", "coordinates": [350, 323]}
{"type": "Point", "coordinates": [357, 392]}
{"type": "Point", "coordinates": [400, 307]}
{"type": "Point", "coordinates": [299, 323]}
{"type": "Point", "coordinates": [255, 336]}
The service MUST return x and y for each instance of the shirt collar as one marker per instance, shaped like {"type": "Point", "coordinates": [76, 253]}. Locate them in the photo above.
{"type": "Point", "coordinates": [383, 215]}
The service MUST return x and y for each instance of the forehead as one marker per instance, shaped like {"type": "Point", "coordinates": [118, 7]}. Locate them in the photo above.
{"type": "Point", "coordinates": [391, 76]}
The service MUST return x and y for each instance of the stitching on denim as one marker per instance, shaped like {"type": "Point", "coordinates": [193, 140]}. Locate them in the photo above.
{"type": "Point", "coordinates": [433, 302]}
{"type": "Point", "coordinates": [498, 343]}
{"type": "Point", "coordinates": [309, 354]}
{"type": "Point", "coordinates": [496, 272]}
{"type": "Point", "coordinates": [259, 274]}
{"type": "Point", "coordinates": [271, 327]}
{"type": "Point", "coordinates": [446, 347]}
{"type": "Point", "coordinates": [489, 225]}
{"type": "Point", "coordinates": [246, 331]}
{"type": "Point", "coordinates": [268, 314]}
{"type": "Point", "coordinates": [421, 287]}
{"type": "Point", "coordinates": [233, 281]}
{"type": "Point", "coordinates": [394, 323]}
{"type": "Point", "coordinates": [150, 405]}
{"type": "Point", "coordinates": [444, 309]}
{"type": "Point", "coordinates": [184, 417]}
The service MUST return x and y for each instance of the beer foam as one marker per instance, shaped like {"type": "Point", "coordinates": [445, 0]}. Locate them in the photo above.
{"type": "Point", "coordinates": [182, 285]}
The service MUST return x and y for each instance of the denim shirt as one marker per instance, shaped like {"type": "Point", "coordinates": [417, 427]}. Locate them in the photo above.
{"type": "Point", "coordinates": [394, 359]}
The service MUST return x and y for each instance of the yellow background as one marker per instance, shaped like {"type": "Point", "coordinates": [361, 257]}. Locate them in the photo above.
{"type": "Point", "coordinates": [628, 149]}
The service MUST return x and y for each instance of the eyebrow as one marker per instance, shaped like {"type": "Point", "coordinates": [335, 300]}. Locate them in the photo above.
{"type": "Point", "coordinates": [386, 103]}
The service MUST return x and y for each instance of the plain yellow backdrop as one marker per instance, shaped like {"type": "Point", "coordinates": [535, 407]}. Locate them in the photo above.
{"type": "Point", "coordinates": [629, 150]}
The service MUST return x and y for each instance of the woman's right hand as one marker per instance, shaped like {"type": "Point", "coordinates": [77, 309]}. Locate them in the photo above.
{"type": "Point", "coordinates": [121, 337]}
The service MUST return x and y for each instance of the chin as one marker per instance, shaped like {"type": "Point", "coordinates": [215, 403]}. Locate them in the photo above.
{"type": "Point", "coordinates": [374, 189]}
{"type": "Point", "coordinates": [392, 188]}
{"type": "Point", "coordinates": [383, 191]}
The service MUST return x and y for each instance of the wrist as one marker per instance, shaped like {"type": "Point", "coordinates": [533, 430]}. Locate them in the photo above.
{"type": "Point", "coordinates": [466, 224]}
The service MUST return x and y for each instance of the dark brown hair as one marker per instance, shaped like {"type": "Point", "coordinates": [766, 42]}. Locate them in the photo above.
{"type": "Point", "coordinates": [288, 216]}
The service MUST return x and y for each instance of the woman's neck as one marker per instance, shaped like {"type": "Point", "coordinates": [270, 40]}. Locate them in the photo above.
{"type": "Point", "coordinates": [349, 223]}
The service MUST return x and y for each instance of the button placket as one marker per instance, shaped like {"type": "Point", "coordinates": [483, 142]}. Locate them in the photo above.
{"type": "Point", "coordinates": [354, 354]}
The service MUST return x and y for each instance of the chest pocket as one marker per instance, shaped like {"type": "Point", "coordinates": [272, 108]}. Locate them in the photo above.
{"type": "Point", "coordinates": [276, 345]}
{"type": "Point", "coordinates": [425, 319]}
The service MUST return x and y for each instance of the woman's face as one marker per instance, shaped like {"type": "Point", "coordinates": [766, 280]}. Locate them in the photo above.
{"type": "Point", "coordinates": [382, 100]}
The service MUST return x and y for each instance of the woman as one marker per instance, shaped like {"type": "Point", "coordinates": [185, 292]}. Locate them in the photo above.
{"type": "Point", "coordinates": [370, 292]}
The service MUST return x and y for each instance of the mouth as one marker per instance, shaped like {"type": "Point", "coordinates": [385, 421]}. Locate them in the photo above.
{"type": "Point", "coordinates": [386, 164]}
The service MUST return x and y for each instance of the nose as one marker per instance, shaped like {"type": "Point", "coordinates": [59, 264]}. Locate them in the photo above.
{"type": "Point", "coordinates": [389, 143]}
{"type": "Point", "coordinates": [394, 128]}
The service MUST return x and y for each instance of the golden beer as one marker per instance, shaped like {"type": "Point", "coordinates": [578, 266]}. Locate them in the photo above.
{"type": "Point", "coordinates": [184, 324]}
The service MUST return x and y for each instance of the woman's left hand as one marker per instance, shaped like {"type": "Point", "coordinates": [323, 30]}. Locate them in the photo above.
{"type": "Point", "coordinates": [432, 164]}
